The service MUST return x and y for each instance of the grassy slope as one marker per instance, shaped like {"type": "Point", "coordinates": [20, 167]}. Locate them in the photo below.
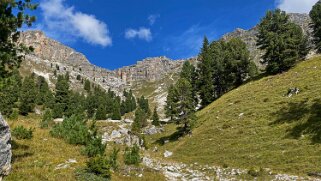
{"type": "Point", "coordinates": [275, 132]}
{"type": "Point", "coordinates": [36, 159]}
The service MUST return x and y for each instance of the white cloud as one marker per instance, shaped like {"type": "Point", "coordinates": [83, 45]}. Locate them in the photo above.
{"type": "Point", "coordinates": [296, 6]}
{"type": "Point", "coordinates": [141, 33]}
{"type": "Point", "coordinates": [152, 18]}
{"type": "Point", "coordinates": [62, 21]}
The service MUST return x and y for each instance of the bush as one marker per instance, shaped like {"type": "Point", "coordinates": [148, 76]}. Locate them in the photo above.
{"type": "Point", "coordinates": [14, 115]}
{"type": "Point", "coordinates": [99, 165]}
{"type": "Point", "coordinates": [47, 119]}
{"type": "Point", "coordinates": [113, 159]}
{"type": "Point", "coordinates": [131, 156]}
{"type": "Point", "coordinates": [21, 132]}
{"type": "Point", "coordinates": [73, 130]}
{"type": "Point", "coordinates": [94, 147]}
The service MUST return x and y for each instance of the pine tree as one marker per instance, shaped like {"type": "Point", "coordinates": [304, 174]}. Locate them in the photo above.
{"type": "Point", "coordinates": [282, 41]}
{"type": "Point", "coordinates": [27, 96]}
{"type": "Point", "coordinates": [116, 115]}
{"type": "Point", "coordinates": [144, 105]}
{"type": "Point", "coordinates": [101, 113]}
{"type": "Point", "coordinates": [170, 107]}
{"type": "Point", "coordinates": [155, 118]}
{"type": "Point", "coordinates": [61, 97]}
{"type": "Point", "coordinates": [140, 120]}
{"type": "Point", "coordinates": [315, 15]}
{"type": "Point", "coordinates": [185, 108]}
{"type": "Point", "coordinates": [87, 85]}
{"type": "Point", "coordinates": [12, 18]}
{"type": "Point", "coordinates": [205, 74]}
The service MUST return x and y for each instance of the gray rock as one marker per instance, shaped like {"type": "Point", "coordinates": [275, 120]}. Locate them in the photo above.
{"type": "Point", "coordinates": [151, 130]}
{"type": "Point", "coordinates": [5, 148]}
{"type": "Point", "coordinates": [167, 154]}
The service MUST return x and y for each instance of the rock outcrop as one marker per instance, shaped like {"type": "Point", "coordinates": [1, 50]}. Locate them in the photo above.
{"type": "Point", "coordinates": [5, 148]}
{"type": "Point", "coordinates": [149, 69]}
{"type": "Point", "coordinates": [51, 58]}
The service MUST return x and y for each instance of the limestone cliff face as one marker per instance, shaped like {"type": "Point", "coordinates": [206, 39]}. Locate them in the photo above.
{"type": "Point", "coordinates": [50, 57]}
{"type": "Point", "coordinates": [149, 69]}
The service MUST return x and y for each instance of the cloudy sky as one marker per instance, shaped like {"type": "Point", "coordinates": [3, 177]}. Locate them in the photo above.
{"type": "Point", "coordinates": [115, 33]}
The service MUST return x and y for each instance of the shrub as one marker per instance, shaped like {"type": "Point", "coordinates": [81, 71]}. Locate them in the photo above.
{"type": "Point", "coordinates": [113, 159]}
{"type": "Point", "coordinates": [14, 115]}
{"type": "Point", "coordinates": [46, 119]}
{"type": "Point", "coordinates": [94, 147]}
{"type": "Point", "coordinates": [99, 165]}
{"type": "Point", "coordinates": [21, 132]}
{"type": "Point", "coordinates": [132, 156]}
{"type": "Point", "coordinates": [73, 130]}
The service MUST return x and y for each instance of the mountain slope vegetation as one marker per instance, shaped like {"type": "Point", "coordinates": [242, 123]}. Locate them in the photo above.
{"type": "Point", "coordinates": [259, 126]}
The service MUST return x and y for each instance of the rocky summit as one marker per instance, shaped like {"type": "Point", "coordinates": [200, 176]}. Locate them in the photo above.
{"type": "Point", "coordinates": [5, 148]}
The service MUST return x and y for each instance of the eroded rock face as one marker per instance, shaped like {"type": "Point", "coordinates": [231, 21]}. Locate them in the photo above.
{"type": "Point", "coordinates": [149, 69]}
{"type": "Point", "coordinates": [5, 148]}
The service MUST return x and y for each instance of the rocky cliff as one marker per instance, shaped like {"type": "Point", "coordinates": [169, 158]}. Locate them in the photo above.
{"type": "Point", "coordinates": [5, 148]}
{"type": "Point", "coordinates": [51, 57]}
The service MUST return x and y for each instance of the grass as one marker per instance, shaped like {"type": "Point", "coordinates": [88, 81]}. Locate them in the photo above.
{"type": "Point", "coordinates": [276, 132]}
{"type": "Point", "coordinates": [37, 159]}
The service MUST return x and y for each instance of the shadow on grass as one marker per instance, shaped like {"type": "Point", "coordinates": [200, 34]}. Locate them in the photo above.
{"type": "Point", "coordinates": [293, 112]}
{"type": "Point", "coordinates": [171, 138]}
{"type": "Point", "coordinates": [20, 151]}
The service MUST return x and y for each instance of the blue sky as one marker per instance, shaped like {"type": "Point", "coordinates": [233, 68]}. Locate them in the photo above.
{"type": "Point", "coordinates": [116, 33]}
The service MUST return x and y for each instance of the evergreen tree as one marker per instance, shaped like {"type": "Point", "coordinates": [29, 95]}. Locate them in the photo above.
{"type": "Point", "coordinates": [189, 73]}
{"type": "Point", "coordinates": [101, 113]}
{"type": "Point", "coordinates": [9, 93]}
{"type": "Point", "coordinates": [282, 41]}
{"type": "Point", "coordinates": [61, 97]}
{"type": "Point", "coordinates": [315, 15]}
{"type": "Point", "coordinates": [116, 115]}
{"type": "Point", "coordinates": [87, 85]}
{"type": "Point", "coordinates": [205, 74]}
{"type": "Point", "coordinates": [140, 120]}
{"type": "Point", "coordinates": [27, 96]}
{"type": "Point", "coordinates": [155, 118]}
{"type": "Point", "coordinates": [144, 105]}
{"type": "Point", "coordinates": [185, 109]}
{"type": "Point", "coordinates": [170, 107]}
{"type": "Point", "coordinates": [12, 18]}
{"type": "Point", "coordinates": [42, 90]}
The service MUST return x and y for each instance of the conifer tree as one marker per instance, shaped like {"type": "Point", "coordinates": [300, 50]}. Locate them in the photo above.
{"type": "Point", "coordinates": [13, 17]}
{"type": "Point", "coordinates": [116, 115]}
{"type": "Point", "coordinates": [282, 41]}
{"type": "Point", "coordinates": [315, 15]}
{"type": "Point", "coordinates": [155, 118]}
{"type": "Point", "coordinates": [101, 113]}
{"type": "Point", "coordinates": [140, 120]}
{"type": "Point", "coordinates": [170, 107]}
{"type": "Point", "coordinates": [27, 96]}
{"type": "Point", "coordinates": [61, 97]}
{"type": "Point", "coordinates": [185, 108]}
{"type": "Point", "coordinates": [87, 85]}
{"type": "Point", "coordinates": [205, 74]}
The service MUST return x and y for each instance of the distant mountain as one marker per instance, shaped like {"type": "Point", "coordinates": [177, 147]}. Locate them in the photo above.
{"type": "Point", "coordinates": [149, 77]}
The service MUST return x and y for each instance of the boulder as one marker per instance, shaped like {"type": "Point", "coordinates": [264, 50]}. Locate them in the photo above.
{"type": "Point", "coordinates": [5, 148]}
{"type": "Point", "coordinates": [167, 154]}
